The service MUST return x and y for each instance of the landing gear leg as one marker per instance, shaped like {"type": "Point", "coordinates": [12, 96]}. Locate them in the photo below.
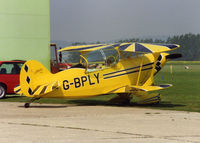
{"type": "Point", "coordinates": [27, 105]}
{"type": "Point", "coordinates": [121, 98]}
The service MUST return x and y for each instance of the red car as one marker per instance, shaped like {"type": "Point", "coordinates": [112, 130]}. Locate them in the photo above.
{"type": "Point", "coordinates": [9, 76]}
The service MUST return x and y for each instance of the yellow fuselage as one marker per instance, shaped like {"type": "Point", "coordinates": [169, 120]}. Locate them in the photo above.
{"type": "Point", "coordinates": [77, 82]}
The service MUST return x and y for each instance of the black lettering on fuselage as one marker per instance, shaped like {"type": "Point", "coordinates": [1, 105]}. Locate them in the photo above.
{"type": "Point", "coordinates": [97, 77]}
{"type": "Point", "coordinates": [91, 83]}
{"type": "Point", "coordinates": [65, 85]}
{"type": "Point", "coordinates": [77, 82]}
{"type": "Point", "coordinates": [83, 79]}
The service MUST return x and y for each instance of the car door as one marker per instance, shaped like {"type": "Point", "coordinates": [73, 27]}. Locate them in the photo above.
{"type": "Point", "coordinates": [8, 77]}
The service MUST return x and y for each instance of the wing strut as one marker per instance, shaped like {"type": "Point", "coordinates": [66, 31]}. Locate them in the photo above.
{"type": "Point", "coordinates": [141, 64]}
{"type": "Point", "coordinates": [150, 81]}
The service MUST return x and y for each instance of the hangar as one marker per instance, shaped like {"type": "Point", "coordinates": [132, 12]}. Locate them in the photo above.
{"type": "Point", "coordinates": [25, 30]}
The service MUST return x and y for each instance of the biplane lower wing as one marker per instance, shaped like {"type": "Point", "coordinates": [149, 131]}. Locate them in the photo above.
{"type": "Point", "coordinates": [129, 89]}
{"type": "Point", "coordinates": [149, 88]}
{"type": "Point", "coordinates": [120, 90]}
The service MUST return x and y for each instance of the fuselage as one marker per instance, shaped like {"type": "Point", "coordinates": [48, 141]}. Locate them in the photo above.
{"type": "Point", "coordinates": [78, 82]}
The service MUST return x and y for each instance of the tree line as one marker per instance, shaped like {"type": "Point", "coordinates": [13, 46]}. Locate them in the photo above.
{"type": "Point", "coordinates": [189, 45]}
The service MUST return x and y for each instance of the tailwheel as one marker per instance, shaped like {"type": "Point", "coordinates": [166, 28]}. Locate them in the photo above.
{"type": "Point", "coordinates": [121, 98]}
{"type": "Point", "coordinates": [27, 105]}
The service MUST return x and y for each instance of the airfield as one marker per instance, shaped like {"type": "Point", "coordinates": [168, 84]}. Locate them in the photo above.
{"type": "Point", "coordinates": [94, 120]}
{"type": "Point", "coordinates": [59, 123]}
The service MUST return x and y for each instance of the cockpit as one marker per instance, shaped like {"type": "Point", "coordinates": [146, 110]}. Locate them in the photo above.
{"type": "Point", "coordinates": [99, 59]}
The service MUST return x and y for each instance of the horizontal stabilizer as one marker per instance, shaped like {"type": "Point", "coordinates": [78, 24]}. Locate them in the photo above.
{"type": "Point", "coordinates": [40, 89]}
{"type": "Point", "coordinates": [17, 90]}
{"type": "Point", "coordinates": [46, 88]}
{"type": "Point", "coordinates": [150, 88]}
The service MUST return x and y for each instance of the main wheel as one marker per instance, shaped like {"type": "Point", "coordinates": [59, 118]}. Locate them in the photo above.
{"type": "Point", "coordinates": [27, 105]}
{"type": "Point", "coordinates": [121, 98]}
{"type": "Point", "coordinates": [2, 91]}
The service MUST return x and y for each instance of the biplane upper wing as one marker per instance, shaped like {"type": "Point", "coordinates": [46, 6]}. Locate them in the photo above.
{"type": "Point", "coordinates": [129, 47]}
{"type": "Point", "coordinates": [147, 48]}
{"type": "Point", "coordinates": [88, 48]}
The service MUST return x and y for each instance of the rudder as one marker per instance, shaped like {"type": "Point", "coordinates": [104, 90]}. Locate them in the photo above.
{"type": "Point", "coordinates": [32, 75]}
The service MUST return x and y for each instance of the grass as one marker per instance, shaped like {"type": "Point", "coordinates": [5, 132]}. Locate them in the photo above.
{"type": "Point", "coordinates": [184, 62]}
{"type": "Point", "coordinates": [184, 95]}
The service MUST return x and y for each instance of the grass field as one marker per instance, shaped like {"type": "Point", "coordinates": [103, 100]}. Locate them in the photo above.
{"type": "Point", "coordinates": [184, 95]}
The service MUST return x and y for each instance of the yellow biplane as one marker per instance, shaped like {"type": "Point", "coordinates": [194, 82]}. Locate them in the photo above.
{"type": "Point", "coordinates": [125, 69]}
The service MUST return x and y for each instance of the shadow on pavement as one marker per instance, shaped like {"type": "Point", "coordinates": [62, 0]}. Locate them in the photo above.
{"type": "Point", "coordinates": [132, 104]}
{"type": "Point", "coordinates": [45, 106]}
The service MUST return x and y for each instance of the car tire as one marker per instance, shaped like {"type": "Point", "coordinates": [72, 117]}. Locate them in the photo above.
{"type": "Point", "coordinates": [2, 91]}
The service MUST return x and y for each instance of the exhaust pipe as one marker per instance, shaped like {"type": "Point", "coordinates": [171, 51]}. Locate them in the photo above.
{"type": "Point", "coordinates": [173, 56]}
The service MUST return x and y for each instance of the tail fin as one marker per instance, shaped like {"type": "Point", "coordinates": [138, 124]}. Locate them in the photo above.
{"type": "Point", "coordinates": [32, 76]}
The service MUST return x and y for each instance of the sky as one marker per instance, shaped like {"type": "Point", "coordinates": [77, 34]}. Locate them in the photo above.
{"type": "Point", "coordinates": [107, 20]}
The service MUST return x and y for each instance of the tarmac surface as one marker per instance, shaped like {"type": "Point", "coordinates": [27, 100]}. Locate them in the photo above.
{"type": "Point", "coordinates": [50, 123]}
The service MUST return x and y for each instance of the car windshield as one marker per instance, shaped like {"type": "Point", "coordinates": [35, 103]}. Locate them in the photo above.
{"type": "Point", "coordinates": [10, 68]}
{"type": "Point", "coordinates": [100, 59]}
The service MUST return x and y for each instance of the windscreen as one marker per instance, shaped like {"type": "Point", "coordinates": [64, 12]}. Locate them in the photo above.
{"type": "Point", "coordinates": [100, 59]}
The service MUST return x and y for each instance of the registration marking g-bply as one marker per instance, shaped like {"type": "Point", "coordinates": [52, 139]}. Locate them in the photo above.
{"type": "Point", "coordinates": [81, 81]}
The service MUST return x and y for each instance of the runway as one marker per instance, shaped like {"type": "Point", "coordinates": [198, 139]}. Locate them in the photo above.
{"type": "Point", "coordinates": [53, 123]}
